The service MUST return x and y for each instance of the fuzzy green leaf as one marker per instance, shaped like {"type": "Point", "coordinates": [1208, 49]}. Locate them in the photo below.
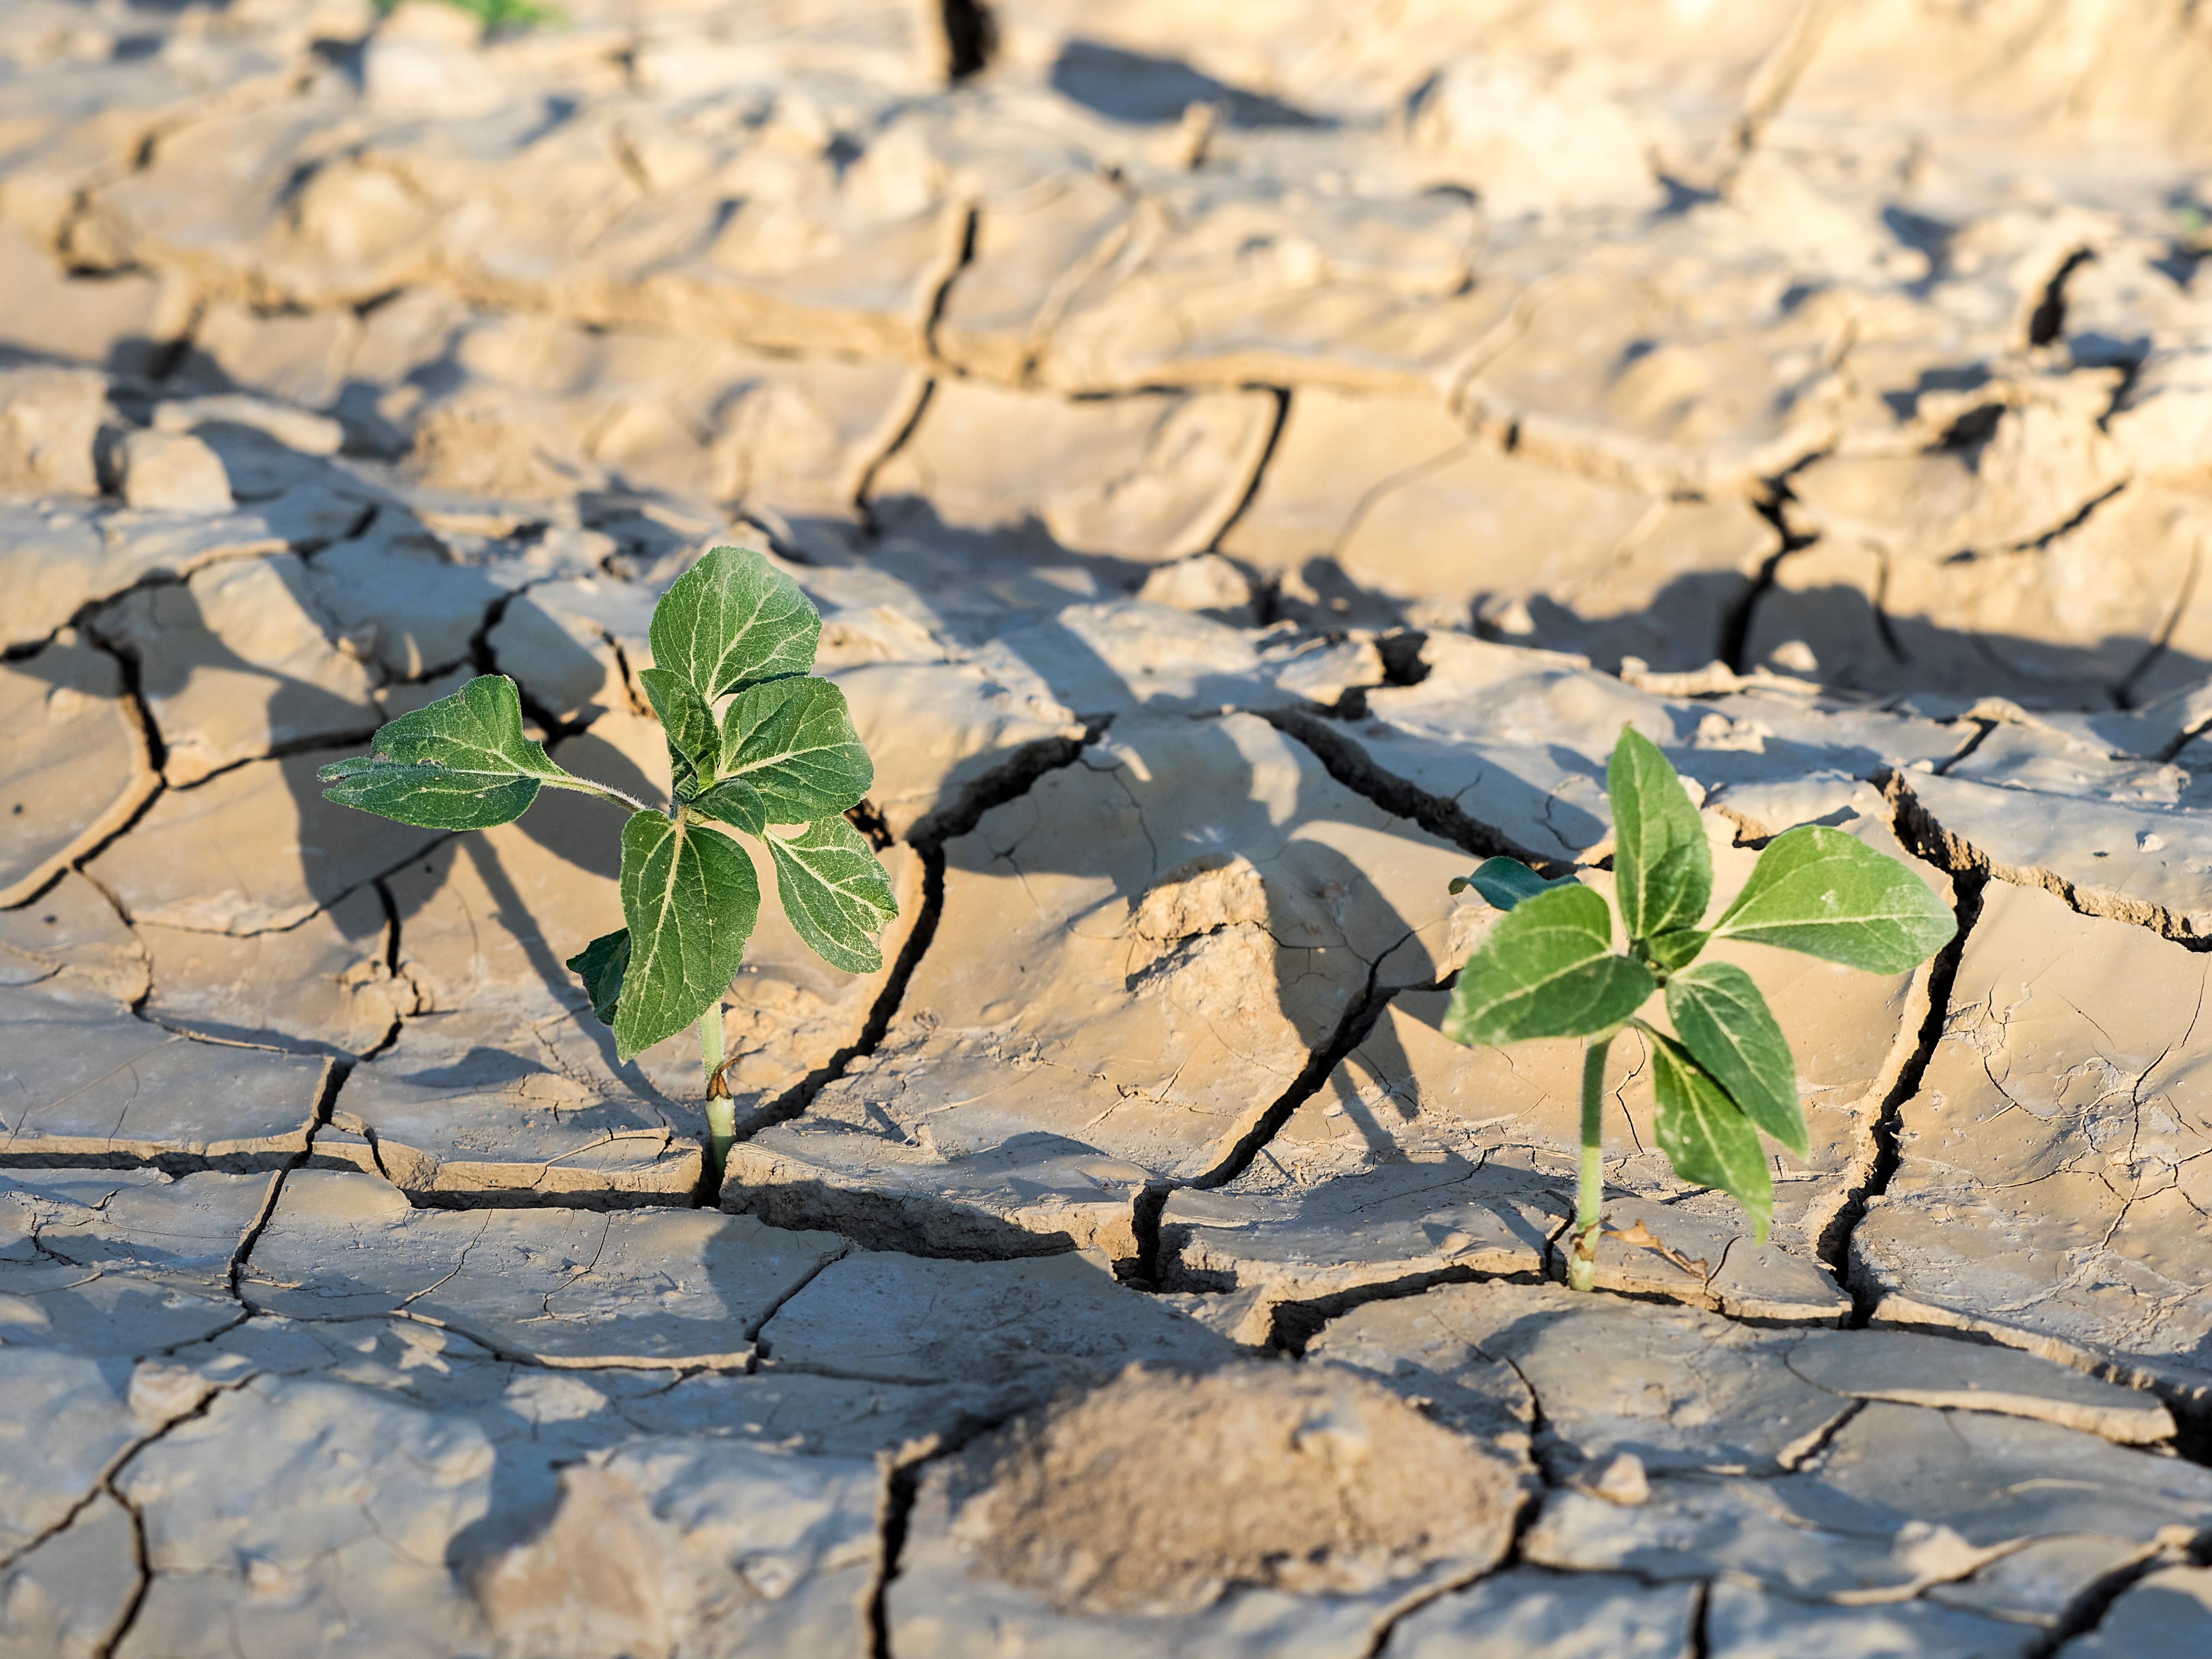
{"type": "Point", "coordinates": [793, 741]}
{"type": "Point", "coordinates": [730, 620]}
{"type": "Point", "coordinates": [1675, 950]}
{"type": "Point", "coordinates": [1662, 870]}
{"type": "Point", "coordinates": [1725, 1024]}
{"type": "Point", "coordinates": [694, 745]}
{"type": "Point", "coordinates": [1705, 1138]}
{"type": "Point", "coordinates": [736, 802]}
{"type": "Point", "coordinates": [835, 892]}
{"type": "Point", "coordinates": [1503, 883]}
{"type": "Point", "coordinates": [460, 763]}
{"type": "Point", "coordinates": [1829, 894]}
{"type": "Point", "coordinates": [690, 898]}
{"type": "Point", "coordinates": [599, 965]}
{"type": "Point", "coordinates": [1546, 969]}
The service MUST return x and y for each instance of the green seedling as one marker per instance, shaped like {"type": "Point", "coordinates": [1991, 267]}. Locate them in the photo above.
{"type": "Point", "coordinates": [1549, 969]}
{"type": "Point", "coordinates": [758, 745]}
{"type": "Point", "coordinates": [496, 13]}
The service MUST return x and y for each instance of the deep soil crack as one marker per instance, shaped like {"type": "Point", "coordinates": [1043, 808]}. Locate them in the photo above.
{"type": "Point", "coordinates": [1833, 1248]}
{"type": "Point", "coordinates": [1922, 830]}
{"type": "Point", "coordinates": [901, 1488]}
{"type": "Point", "coordinates": [971, 223]}
{"type": "Point", "coordinates": [1350, 766]}
{"type": "Point", "coordinates": [1351, 1028]}
{"type": "Point", "coordinates": [1282, 418]}
{"type": "Point", "coordinates": [1008, 781]}
{"type": "Point", "coordinates": [333, 1080]}
{"type": "Point", "coordinates": [2087, 1609]}
{"type": "Point", "coordinates": [1734, 640]}
{"type": "Point", "coordinates": [2048, 320]}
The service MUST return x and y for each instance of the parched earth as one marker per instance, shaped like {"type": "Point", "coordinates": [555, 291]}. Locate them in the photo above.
{"type": "Point", "coordinates": [1251, 460]}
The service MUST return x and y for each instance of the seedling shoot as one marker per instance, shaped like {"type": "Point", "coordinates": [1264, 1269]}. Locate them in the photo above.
{"type": "Point", "coordinates": [758, 746]}
{"type": "Point", "coordinates": [1549, 969]}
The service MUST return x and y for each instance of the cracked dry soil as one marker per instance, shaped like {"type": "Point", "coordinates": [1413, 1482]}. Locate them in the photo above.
{"type": "Point", "coordinates": [1250, 466]}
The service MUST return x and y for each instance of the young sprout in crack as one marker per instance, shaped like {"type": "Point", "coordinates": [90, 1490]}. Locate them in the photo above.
{"type": "Point", "coordinates": [1548, 968]}
{"type": "Point", "coordinates": [496, 13]}
{"type": "Point", "coordinates": [780, 762]}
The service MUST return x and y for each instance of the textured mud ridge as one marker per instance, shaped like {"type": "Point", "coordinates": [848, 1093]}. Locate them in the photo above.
{"type": "Point", "coordinates": [1249, 465]}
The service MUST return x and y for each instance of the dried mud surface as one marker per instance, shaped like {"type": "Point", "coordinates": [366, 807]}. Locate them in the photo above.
{"type": "Point", "coordinates": [1251, 460]}
{"type": "Point", "coordinates": [1315, 1482]}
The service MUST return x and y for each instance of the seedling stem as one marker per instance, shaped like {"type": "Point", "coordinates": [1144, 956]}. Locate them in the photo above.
{"type": "Point", "coordinates": [721, 1110]}
{"type": "Point", "coordinates": [1581, 1265]}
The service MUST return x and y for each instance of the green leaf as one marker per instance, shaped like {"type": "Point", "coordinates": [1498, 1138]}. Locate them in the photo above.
{"type": "Point", "coordinates": [1662, 870]}
{"type": "Point", "coordinates": [1725, 1024]}
{"type": "Point", "coordinates": [735, 803]}
{"type": "Point", "coordinates": [793, 742]}
{"type": "Point", "coordinates": [694, 743]}
{"type": "Point", "coordinates": [1829, 894]}
{"type": "Point", "coordinates": [599, 965]}
{"type": "Point", "coordinates": [1546, 969]}
{"type": "Point", "coordinates": [690, 897]}
{"type": "Point", "coordinates": [1506, 882]}
{"type": "Point", "coordinates": [1677, 950]}
{"type": "Point", "coordinates": [731, 619]}
{"type": "Point", "coordinates": [1705, 1138]}
{"type": "Point", "coordinates": [460, 763]}
{"type": "Point", "coordinates": [836, 893]}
